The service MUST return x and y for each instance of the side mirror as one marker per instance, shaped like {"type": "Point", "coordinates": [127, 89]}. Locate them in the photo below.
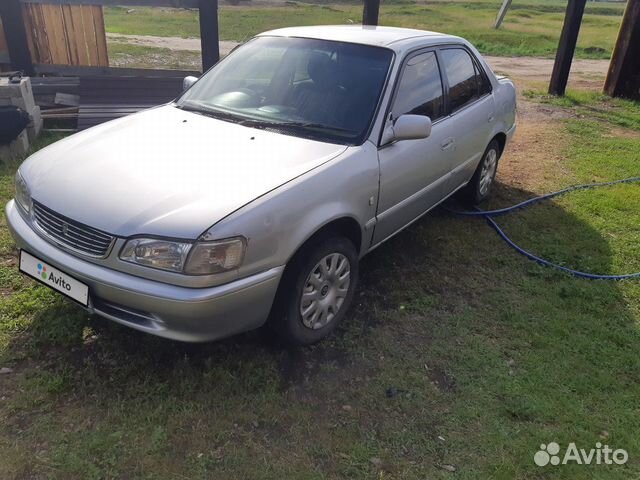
{"type": "Point", "coordinates": [407, 127]}
{"type": "Point", "coordinates": [188, 81]}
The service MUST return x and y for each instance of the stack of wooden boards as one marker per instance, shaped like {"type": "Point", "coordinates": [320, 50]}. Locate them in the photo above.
{"type": "Point", "coordinates": [82, 102]}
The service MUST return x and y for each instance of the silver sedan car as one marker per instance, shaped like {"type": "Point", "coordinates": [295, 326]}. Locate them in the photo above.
{"type": "Point", "coordinates": [252, 197]}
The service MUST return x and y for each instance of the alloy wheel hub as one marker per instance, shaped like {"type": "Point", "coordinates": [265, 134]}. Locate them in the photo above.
{"type": "Point", "coordinates": [325, 290]}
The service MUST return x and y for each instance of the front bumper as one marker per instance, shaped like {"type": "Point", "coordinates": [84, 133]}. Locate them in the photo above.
{"type": "Point", "coordinates": [178, 313]}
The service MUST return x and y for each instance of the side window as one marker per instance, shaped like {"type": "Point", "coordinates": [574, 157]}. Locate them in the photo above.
{"type": "Point", "coordinates": [420, 89]}
{"type": "Point", "coordinates": [461, 73]}
{"type": "Point", "coordinates": [484, 86]}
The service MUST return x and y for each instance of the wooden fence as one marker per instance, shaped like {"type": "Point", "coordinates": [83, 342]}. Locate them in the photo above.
{"type": "Point", "coordinates": [66, 34]}
{"type": "Point", "coordinates": [63, 35]}
{"type": "Point", "coordinates": [67, 37]}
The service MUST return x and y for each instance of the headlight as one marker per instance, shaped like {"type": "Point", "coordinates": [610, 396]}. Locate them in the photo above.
{"type": "Point", "coordinates": [156, 253]}
{"type": "Point", "coordinates": [23, 197]}
{"type": "Point", "coordinates": [215, 257]}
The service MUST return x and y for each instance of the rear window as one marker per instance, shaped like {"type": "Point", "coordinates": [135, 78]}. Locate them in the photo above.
{"type": "Point", "coordinates": [462, 76]}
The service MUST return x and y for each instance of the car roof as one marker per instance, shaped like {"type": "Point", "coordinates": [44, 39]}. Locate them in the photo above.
{"type": "Point", "coordinates": [391, 37]}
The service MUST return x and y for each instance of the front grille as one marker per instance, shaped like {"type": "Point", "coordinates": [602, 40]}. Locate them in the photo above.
{"type": "Point", "coordinates": [72, 234]}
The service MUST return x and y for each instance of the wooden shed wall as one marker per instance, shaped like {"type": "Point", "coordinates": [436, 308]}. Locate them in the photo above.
{"type": "Point", "coordinates": [64, 34]}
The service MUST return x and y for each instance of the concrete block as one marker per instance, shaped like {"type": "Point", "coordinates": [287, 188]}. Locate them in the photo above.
{"type": "Point", "coordinates": [35, 127]}
{"type": "Point", "coordinates": [27, 104]}
{"type": "Point", "coordinates": [17, 148]}
{"type": "Point", "coordinates": [19, 94]}
{"type": "Point", "coordinates": [19, 89]}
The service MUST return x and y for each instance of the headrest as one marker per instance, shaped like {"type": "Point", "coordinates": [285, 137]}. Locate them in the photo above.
{"type": "Point", "coordinates": [322, 70]}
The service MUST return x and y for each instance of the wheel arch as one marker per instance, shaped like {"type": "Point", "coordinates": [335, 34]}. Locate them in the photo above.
{"type": "Point", "coordinates": [344, 226]}
{"type": "Point", "coordinates": [501, 138]}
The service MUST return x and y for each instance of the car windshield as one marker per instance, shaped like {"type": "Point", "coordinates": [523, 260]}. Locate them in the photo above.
{"type": "Point", "coordinates": [317, 89]}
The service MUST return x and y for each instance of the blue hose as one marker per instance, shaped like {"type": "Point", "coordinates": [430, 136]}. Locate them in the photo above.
{"type": "Point", "coordinates": [489, 214]}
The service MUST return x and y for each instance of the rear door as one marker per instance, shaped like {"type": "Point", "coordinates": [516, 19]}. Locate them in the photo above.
{"type": "Point", "coordinates": [471, 108]}
{"type": "Point", "coordinates": [413, 173]}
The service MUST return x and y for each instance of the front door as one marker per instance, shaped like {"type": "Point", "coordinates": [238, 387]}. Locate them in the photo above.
{"type": "Point", "coordinates": [413, 173]}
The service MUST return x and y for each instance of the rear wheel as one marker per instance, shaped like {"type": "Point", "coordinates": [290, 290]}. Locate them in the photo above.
{"type": "Point", "coordinates": [316, 291]}
{"type": "Point", "coordinates": [479, 187]}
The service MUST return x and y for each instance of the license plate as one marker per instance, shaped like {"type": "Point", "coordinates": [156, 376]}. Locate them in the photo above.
{"type": "Point", "coordinates": [54, 278]}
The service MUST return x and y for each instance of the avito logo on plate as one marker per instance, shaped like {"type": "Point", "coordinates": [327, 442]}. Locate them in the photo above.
{"type": "Point", "coordinates": [42, 271]}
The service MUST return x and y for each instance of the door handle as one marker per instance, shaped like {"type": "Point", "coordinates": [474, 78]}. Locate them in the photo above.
{"type": "Point", "coordinates": [447, 143]}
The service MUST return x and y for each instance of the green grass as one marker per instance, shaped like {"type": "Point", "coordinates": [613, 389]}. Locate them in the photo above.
{"type": "Point", "coordinates": [591, 105]}
{"type": "Point", "coordinates": [137, 56]}
{"type": "Point", "coordinates": [486, 349]}
{"type": "Point", "coordinates": [530, 29]}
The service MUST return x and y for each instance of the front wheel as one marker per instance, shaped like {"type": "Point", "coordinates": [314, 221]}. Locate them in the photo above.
{"type": "Point", "coordinates": [479, 187]}
{"type": "Point", "coordinates": [316, 291]}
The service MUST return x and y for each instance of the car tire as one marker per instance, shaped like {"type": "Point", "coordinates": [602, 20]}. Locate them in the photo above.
{"type": "Point", "coordinates": [316, 291]}
{"type": "Point", "coordinates": [479, 187]}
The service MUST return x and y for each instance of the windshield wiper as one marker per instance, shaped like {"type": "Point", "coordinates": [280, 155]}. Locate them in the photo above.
{"type": "Point", "coordinates": [258, 123]}
{"type": "Point", "coordinates": [308, 125]}
{"type": "Point", "coordinates": [209, 112]}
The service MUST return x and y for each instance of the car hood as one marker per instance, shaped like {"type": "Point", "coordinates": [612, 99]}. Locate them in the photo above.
{"type": "Point", "coordinates": [166, 171]}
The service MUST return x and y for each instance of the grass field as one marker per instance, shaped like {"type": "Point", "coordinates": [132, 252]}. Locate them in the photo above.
{"type": "Point", "coordinates": [122, 54]}
{"type": "Point", "coordinates": [458, 355]}
{"type": "Point", "coordinates": [530, 29]}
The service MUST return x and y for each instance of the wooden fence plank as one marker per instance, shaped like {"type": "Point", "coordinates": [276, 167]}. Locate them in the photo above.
{"type": "Point", "coordinates": [29, 28]}
{"type": "Point", "coordinates": [101, 36]}
{"type": "Point", "coordinates": [57, 38]}
{"type": "Point", "coordinates": [40, 35]}
{"type": "Point", "coordinates": [73, 40]}
{"type": "Point", "coordinates": [80, 35]}
{"type": "Point", "coordinates": [89, 33]}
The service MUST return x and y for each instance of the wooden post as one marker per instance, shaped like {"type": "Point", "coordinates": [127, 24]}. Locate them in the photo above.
{"type": "Point", "coordinates": [566, 46]}
{"type": "Point", "coordinates": [370, 12]}
{"type": "Point", "coordinates": [16, 36]}
{"type": "Point", "coordinates": [623, 78]}
{"type": "Point", "coordinates": [209, 39]}
{"type": "Point", "coordinates": [502, 13]}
